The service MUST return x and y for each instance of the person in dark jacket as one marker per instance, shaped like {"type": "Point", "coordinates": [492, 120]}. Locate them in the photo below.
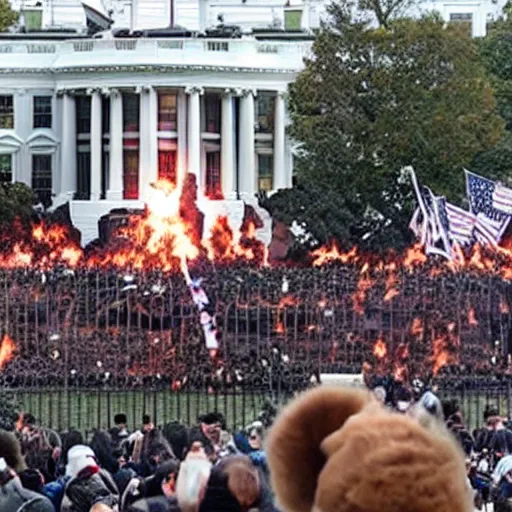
{"type": "Point", "coordinates": [494, 437]}
{"type": "Point", "coordinates": [235, 485]}
{"type": "Point", "coordinates": [13, 496]}
{"type": "Point", "coordinates": [88, 484]}
{"type": "Point", "coordinates": [159, 491]}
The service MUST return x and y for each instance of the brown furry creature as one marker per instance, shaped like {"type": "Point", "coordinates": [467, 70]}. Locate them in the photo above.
{"type": "Point", "coordinates": [338, 450]}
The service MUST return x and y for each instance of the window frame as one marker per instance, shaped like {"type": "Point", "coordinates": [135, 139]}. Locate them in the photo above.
{"type": "Point", "coordinates": [4, 115]}
{"type": "Point", "coordinates": [48, 115]}
{"type": "Point", "coordinates": [11, 170]}
{"type": "Point", "coordinates": [46, 191]}
{"type": "Point", "coordinates": [166, 111]}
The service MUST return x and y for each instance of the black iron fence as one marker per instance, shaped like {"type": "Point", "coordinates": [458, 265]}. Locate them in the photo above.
{"type": "Point", "coordinates": [86, 409]}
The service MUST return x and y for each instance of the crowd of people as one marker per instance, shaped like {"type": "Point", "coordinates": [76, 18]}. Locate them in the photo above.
{"type": "Point", "coordinates": [205, 467]}
{"type": "Point", "coordinates": [168, 469]}
{"type": "Point", "coordinates": [90, 327]}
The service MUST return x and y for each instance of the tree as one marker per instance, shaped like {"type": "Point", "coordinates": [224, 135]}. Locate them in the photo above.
{"type": "Point", "coordinates": [16, 202]}
{"type": "Point", "coordinates": [8, 17]}
{"type": "Point", "coordinates": [496, 51]}
{"type": "Point", "coordinates": [371, 102]}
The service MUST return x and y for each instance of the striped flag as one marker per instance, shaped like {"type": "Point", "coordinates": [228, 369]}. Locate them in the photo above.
{"type": "Point", "coordinates": [502, 198]}
{"type": "Point", "coordinates": [462, 223]}
{"type": "Point", "coordinates": [431, 223]}
{"type": "Point", "coordinates": [491, 222]}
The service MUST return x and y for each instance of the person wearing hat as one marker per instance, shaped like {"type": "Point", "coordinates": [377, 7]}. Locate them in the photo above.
{"type": "Point", "coordinates": [13, 496]}
{"type": "Point", "coordinates": [88, 484]}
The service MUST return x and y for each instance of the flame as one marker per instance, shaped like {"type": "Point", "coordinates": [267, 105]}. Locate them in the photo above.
{"type": "Point", "coordinates": [359, 296]}
{"type": "Point", "coordinates": [7, 350]}
{"type": "Point", "coordinates": [417, 327]}
{"type": "Point", "coordinates": [379, 349]}
{"type": "Point", "coordinates": [325, 255]}
{"type": "Point", "coordinates": [414, 256]}
{"type": "Point", "coordinates": [472, 317]}
{"type": "Point", "coordinates": [390, 294]}
{"type": "Point", "coordinates": [440, 355]}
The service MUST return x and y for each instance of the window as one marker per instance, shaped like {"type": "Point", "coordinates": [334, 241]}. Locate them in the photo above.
{"type": "Point", "coordinates": [6, 112]}
{"type": "Point", "coordinates": [5, 168]}
{"type": "Point", "coordinates": [167, 165]}
{"type": "Point", "coordinates": [105, 115]}
{"type": "Point", "coordinates": [131, 174]}
{"type": "Point", "coordinates": [42, 111]}
{"type": "Point", "coordinates": [212, 113]}
{"type": "Point", "coordinates": [83, 114]}
{"type": "Point", "coordinates": [213, 184]}
{"type": "Point", "coordinates": [130, 112]}
{"type": "Point", "coordinates": [265, 172]}
{"type": "Point", "coordinates": [264, 109]}
{"type": "Point", "coordinates": [83, 175]}
{"type": "Point", "coordinates": [167, 112]}
{"type": "Point", "coordinates": [42, 178]}
{"type": "Point", "coordinates": [463, 18]}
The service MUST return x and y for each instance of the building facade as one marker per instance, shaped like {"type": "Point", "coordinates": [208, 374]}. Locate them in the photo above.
{"type": "Point", "coordinates": [95, 122]}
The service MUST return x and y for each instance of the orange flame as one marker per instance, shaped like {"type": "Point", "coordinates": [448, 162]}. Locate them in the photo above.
{"type": "Point", "coordinates": [325, 255]}
{"type": "Point", "coordinates": [441, 356]}
{"type": "Point", "coordinates": [417, 327]}
{"type": "Point", "coordinates": [7, 350]}
{"type": "Point", "coordinates": [472, 317]}
{"type": "Point", "coordinates": [379, 349]}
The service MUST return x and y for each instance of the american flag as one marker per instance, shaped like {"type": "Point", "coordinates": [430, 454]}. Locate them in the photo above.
{"type": "Point", "coordinates": [430, 221]}
{"type": "Point", "coordinates": [462, 224]}
{"type": "Point", "coordinates": [490, 223]}
{"type": "Point", "coordinates": [502, 198]}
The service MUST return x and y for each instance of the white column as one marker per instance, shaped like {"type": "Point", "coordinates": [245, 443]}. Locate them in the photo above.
{"type": "Point", "coordinates": [143, 141]}
{"type": "Point", "coordinates": [246, 156]}
{"type": "Point", "coordinates": [279, 180]}
{"type": "Point", "coordinates": [96, 140]}
{"type": "Point", "coordinates": [153, 135]}
{"type": "Point", "coordinates": [227, 145]}
{"type": "Point", "coordinates": [148, 148]}
{"type": "Point", "coordinates": [182, 137]}
{"type": "Point", "coordinates": [194, 135]}
{"type": "Point", "coordinates": [115, 191]}
{"type": "Point", "coordinates": [68, 148]}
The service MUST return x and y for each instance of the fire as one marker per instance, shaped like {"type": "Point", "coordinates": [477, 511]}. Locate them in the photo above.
{"type": "Point", "coordinates": [390, 294]}
{"type": "Point", "coordinates": [7, 350]}
{"type": "Point", "coordinates": [417, 327]}
{"type": "Point", "coordinates": [440, 354]}
{"type": "Point", "coordinates": [414, 256]}
{"type": "Point", "coordinates": [325, 255]}
{"type": "Point", "coordinates": [379, 349]}
{"type": "Point", "coordinates": [359, 296]}
{"type": "Point", "coordinates": [472, 317]}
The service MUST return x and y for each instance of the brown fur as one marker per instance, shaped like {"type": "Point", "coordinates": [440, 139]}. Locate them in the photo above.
{"type": "Point", "coordinates": [335, 450]}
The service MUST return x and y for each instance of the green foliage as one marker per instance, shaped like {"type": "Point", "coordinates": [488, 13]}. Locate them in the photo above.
{"type": "Point", "coordinates": [8, 412]}
{"type": "Point", "coordinates": [16, 200]}
{"type": "Point", "coordinates": [496, 51]}
{"type": "Point", "coordinates": [8, 17]}
{"type": "Point", "coordinates": [371, 102]}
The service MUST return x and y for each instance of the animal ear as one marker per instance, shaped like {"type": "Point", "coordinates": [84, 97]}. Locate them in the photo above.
{"type": "Point", "coordinates": [294, 448]}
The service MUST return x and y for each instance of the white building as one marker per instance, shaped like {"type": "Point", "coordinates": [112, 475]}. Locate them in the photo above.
{"type": "Point", "coordinates": [96, 121]}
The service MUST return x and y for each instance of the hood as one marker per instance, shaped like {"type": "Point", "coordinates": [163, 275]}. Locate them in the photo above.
{"type": "Point", "coordinates": [79, 458]}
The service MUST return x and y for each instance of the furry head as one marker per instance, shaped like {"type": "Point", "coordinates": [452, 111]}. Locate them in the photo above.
{"type": "Point", "coordinates": [338, 450]}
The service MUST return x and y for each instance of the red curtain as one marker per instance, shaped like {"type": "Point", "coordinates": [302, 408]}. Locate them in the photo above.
{"type": "Point", "coordinates": [167, 165]}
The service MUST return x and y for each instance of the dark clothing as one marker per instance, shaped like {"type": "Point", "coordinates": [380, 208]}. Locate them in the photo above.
{"type": "Point", "coordinates": [496, 441]}
{"type": "Point", "coordinates": [155, 504]}
{"type": "Point", "coordinates": [83, 493]}
{"type": "Point", "coordinates": [14, 498]}
{"type": "Point", "coordinates": [457, 428]}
